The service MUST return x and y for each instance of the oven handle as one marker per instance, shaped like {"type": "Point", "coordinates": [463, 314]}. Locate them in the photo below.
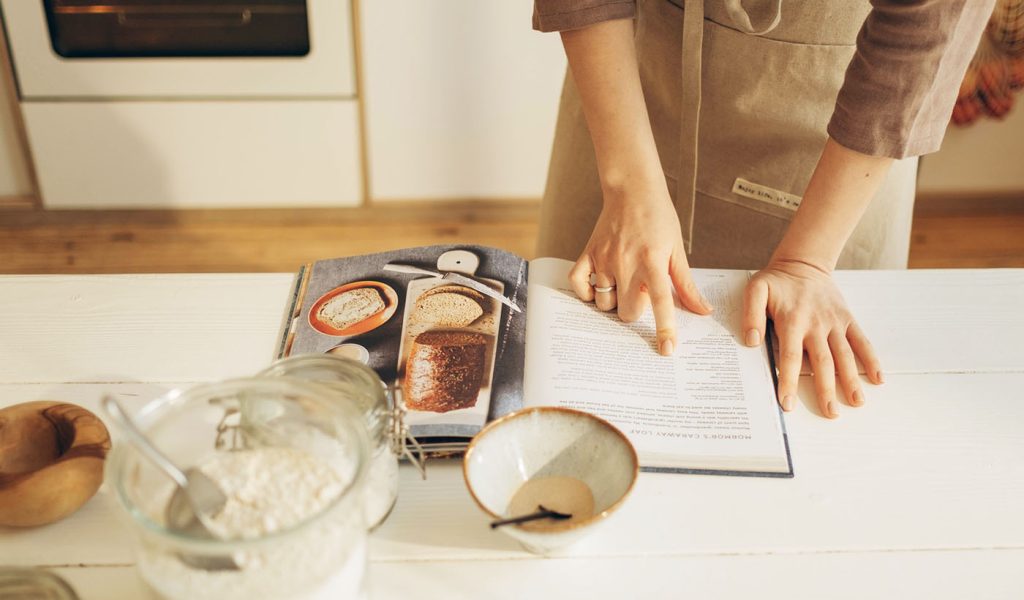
{"type": "Point", "coordinates": [140, 19]}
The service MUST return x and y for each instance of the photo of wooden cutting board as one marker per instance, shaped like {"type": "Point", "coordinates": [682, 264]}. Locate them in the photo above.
{"type": "Point", "coordinates": [487, 324]}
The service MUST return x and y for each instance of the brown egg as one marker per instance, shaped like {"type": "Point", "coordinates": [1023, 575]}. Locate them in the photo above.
{"type": "Point", "coordinates": [51, 461]}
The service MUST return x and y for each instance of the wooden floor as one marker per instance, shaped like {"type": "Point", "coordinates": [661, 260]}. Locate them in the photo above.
{"type": "Point", "coordinates": [281, 240]}
{"type": "Point", "coordinates": [946, 235]}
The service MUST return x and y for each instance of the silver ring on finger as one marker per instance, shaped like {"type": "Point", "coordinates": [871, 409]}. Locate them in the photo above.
{"type": "Point", "coordinates": [596, 280]}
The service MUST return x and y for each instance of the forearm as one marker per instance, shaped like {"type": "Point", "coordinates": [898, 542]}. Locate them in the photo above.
{"type": "Point", "coordinates": [841, 187]}
{"type": "Point", "coordinates": [603, 62]}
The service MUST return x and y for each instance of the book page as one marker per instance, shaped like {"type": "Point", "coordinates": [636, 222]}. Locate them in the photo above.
{"type": "Point", "coordinates": [434, 324]}
{"type": "Point", "coordinates": [710, 406]}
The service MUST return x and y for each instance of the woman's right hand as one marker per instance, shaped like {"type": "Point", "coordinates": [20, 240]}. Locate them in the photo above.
{"type": "Point", "coordinates": [637, 247]}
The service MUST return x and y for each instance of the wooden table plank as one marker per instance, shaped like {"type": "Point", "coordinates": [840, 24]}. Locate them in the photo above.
{"type": "Point", "coordinates": [139, 327]}
{"type": "Point", "coordinates": [990, 574]}
{"type": "Point", "coordinates": [941, 321]}
{"type": "Point", "coordinates": [930, 462]}
{"type": "Point", "coordinates": [917, 494]}
{"type": "Point", "coordinates": [98, 534]}
{"type": "Point", "coordinates": [915, 575]}
{"type": "Point", "coordinates": [206, 327]}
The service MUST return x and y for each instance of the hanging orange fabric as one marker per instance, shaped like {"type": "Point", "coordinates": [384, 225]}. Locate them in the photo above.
{"type": "Point", "coordinates": [996, 73]}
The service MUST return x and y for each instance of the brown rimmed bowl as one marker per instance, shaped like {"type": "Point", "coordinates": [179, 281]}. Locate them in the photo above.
{"type": "Point", "coordinates": [545, 442]}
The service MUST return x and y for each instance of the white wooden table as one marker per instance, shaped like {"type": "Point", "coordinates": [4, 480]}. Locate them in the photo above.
{"type": "Point", "coordinates": [918, 494]}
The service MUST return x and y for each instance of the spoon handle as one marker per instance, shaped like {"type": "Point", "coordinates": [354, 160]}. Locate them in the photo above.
{"type": "Point", "coordinates": [115, 411]}
{"type": "Point", "coordinates": [542, 513]}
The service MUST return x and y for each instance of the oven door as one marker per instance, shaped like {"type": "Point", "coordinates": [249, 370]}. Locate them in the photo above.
{"type": "Point", "coordinates": [181, 28]}
{"type": "Point", "coordinates": [121, 49]}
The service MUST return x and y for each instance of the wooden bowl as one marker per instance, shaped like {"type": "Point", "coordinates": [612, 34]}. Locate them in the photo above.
{"type": "Point", "coordinates": [51, 461]}
{"type": "Point", "coordinates": [369, 323]}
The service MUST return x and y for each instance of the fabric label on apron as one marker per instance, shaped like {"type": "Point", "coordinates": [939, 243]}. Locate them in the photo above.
{"type": "Point", "coordinates": [742, 187]}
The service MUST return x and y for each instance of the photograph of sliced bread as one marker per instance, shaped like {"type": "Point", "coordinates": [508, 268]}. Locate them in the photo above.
{"type": "Point", "coordinates": [449, 306]}
{"type": "Point", "coordinates": [351, 307]}
{"type": "Point", "coordinates": [445, 370]}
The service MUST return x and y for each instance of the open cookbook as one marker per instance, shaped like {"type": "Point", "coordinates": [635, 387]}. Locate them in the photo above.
{"type": "Point", "coordinates": [450, 329]}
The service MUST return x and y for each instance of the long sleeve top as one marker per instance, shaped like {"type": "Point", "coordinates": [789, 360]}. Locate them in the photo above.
{"type": "Point", "coordinates": [900, 85]}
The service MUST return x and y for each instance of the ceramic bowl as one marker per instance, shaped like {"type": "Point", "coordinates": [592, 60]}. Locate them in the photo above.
{"type": "Point", "coordinates": [540, 443]}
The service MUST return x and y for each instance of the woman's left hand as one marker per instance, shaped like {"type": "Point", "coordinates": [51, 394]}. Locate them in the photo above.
{"type": "Point", "coordinates": [809, 314]}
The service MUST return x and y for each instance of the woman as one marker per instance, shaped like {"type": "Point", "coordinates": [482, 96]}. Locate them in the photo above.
{"type": "Point", "coordinates": [732, 139]}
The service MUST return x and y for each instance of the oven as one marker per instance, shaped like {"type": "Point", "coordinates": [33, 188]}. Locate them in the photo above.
{"type": "Point", "coordinates": [180, 48]}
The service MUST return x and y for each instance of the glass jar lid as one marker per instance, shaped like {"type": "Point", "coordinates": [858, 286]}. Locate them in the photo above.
{"type": "Point", "coordinates": [359, 383]}
{"type": "Point", "coordinates": [385, 419]}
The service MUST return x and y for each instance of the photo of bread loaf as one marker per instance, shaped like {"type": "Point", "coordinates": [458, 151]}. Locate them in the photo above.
{"type": "Point", "coordinates": [449, 306]}
{"type": "Point", "coordinates": [353, 308]}
{"type": "Point", "coordinates": [445, 370]}
{"type": "Point", "coordinates": [449, 345]}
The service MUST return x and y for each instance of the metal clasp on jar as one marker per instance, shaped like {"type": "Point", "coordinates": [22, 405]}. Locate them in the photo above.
{"type": "Point", "coordinates": [404, 444]}
{"type": "Point", "coordinates": [229, 429]}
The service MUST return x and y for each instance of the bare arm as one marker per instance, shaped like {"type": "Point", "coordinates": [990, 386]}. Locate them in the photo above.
{"type": "Point", "coordinates": [637, 242]}
{"type": "Point", "coordinates": [603, 62]}
{"type": "Point", "coordinates": [841, 187]}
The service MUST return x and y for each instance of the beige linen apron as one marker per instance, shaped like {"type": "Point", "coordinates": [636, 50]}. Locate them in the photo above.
{"type": "Point", "coordinates": [739, 108]}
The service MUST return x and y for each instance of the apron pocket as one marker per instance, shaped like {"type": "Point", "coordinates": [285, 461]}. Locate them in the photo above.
{"type": "Point", "coordinates": [764, 109]}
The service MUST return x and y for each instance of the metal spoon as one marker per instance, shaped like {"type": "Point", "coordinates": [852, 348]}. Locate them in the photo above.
{"type": "Point", "coordinates": [197, 499]}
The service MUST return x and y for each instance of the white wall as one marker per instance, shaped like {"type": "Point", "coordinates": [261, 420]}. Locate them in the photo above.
{"type": "Point", "coordinates": [461, 98]}
{"type": "Point", "coordinates": [986, 157]}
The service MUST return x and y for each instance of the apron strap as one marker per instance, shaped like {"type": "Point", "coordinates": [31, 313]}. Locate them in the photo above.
{"type": "Point", "coordinates": [686, 184]}
{"type": "Point", "coordinates": [689, 120]}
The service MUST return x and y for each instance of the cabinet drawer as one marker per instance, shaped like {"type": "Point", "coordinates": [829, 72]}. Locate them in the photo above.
{"type": "Point", "coordinates": [195, 154]}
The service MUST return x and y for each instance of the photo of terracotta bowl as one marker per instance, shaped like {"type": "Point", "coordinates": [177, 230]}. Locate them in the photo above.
{"type": "Point", "coordinates": [368, 322]}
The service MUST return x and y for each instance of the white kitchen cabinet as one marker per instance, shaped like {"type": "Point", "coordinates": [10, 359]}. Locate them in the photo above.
{"type": "Point", "coordinates": [460, 97]}
{"type": "Point", "coordinates": [15, 181]}
{"type": "Point", "coordinates": [196, 154]}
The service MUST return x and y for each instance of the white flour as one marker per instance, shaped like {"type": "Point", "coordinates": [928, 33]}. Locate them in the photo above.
{"type": "Point", "coordinates": [269, 490]}
{"type": "Point", "coordinates": [381, 486]}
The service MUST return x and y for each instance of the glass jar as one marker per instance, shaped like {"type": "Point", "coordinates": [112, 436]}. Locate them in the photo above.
{"type": "Point", "coordinates": [293, 526]}
{"type": "Point", "coordinates": [355, 384]}
{"type": "Point", "coordinates": [28, 583]}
